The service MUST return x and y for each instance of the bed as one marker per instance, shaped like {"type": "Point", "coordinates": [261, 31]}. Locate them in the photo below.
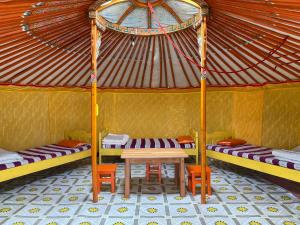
{"type": "Point", "coordinates": [138, 143]}
{"type": "Point", "coordinates": [252, 157]}
{"type": "Point", "coordinates": [44, 157]}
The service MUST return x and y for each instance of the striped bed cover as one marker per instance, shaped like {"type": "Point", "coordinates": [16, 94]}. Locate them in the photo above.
{"type": "Point", "coordinates": [261, 154]}
{"type": "Point", "coordinates": [151, 143]}
{"type": "Point", "coordinates": [32, 155]}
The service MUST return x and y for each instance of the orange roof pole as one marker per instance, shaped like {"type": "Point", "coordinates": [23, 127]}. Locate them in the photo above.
{"type": "Point", "coordinates": [202, 40]}
{"type": "Point", "coordinates": [94, 113]}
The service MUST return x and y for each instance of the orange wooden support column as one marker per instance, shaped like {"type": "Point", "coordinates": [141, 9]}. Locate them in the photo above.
{"type": "Point", "coordinates": [203, 140]}
{"type": "Point", "coordinates": [202, 40]}
{"type": "Point", "coordinates": [94, 108]}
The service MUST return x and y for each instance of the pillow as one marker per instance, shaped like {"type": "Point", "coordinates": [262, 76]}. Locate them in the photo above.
{"type": "Point", "coordinates": [296, 149]}
{"type": "Point", "coordinates": [231, 142]}
{"type": "Point", "coordinates": [9, 156]}
{"type": "Point", "coordinates": [70, 143]}
{"type": "Point", "coordinates": [184, 139]}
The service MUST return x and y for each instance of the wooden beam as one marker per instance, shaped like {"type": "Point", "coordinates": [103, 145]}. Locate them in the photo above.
{"type": "Point", "coordinates": [192, 42]}
{"type": "Point", "coordinates": [116, 40]}
{"type": "Point", "coordinates": [119, 48]}
{"type": "Point", "coordinates": [135, 59]}
{"type": "Point", "coordinates": [160, 62]}
{"type": "Point", "coordinates": [143, 53]}
{"type": "Point", "coordinates": [182, 43]}
{"type": "Point", "coordinates": [171, 64]}
{"type": "Point", "coordinates": [117, 57]}
{"type": "Point", "coordinates": [149, 18]}
{"type": "Point", "coordinates": [165, 61]}
{"type": "Point", "coordinates": [171, 11]}
{"type": "Point", "coordinates": [133, 50]}
{"type": "Point", "coordinates": [181, 63]}
{"type": "Point", "coordinates": [126, 13]}
{"type": "Point", "coordinates": [152, 61]}
{"type": "Point", "coordinates": [146, 61]}
{"type": "Point", "coordinates": [122, 59]}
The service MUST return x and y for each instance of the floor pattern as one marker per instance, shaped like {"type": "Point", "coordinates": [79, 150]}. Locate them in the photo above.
{"type": "Point", "coordinates": [62, 196]}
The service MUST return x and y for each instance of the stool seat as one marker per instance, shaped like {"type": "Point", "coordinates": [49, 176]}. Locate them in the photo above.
{"type": "Point", "coordinates": [107, 173]}
{"type": "Point", "coordinates": [194, 178]}
{"type": "Point", "coordinates": [197, 169]}
{"type": "Point", "coordinates": [107, 167]}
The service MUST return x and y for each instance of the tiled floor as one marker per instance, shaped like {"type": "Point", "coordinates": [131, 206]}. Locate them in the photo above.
{"type": "Point", "coordinates": [63, 196]}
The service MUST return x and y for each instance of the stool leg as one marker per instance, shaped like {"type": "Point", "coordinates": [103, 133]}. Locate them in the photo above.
{"type": "Point", "coordinates": [208, 184]}
{"type": "Point", "coordinates": [99, 187]}
{"type": "Point", "coordinates": [193, 184]}
{"type": "Point", "coordinates": [112, 183]}
{"type": "Point", "coordinates": [189, 184]}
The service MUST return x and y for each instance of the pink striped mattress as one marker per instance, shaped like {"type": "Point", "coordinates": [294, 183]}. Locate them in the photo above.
{"type": "Point", "coordinates": [32, 155]}
{"type": "Point", "coordinates": [151, 143]}
{"type": "Point", "coordinates": [261, 154]}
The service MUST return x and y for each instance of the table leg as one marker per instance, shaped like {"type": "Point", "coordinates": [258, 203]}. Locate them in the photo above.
{"type": "Point", "coordinates": [182, 178]}
{"type": "Point", "coordinates": [127, 178]}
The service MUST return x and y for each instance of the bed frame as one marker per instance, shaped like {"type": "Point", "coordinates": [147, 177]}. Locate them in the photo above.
{"type": "Point", "coordinates": [274, 170]}
{"type": "Point", "coordinates": [118, 152]}
{"type": "Point", "coordinates": [18, 171]}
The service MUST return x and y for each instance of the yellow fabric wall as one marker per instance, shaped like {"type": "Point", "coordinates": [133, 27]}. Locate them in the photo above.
{"type": "Point", "coordinates": [164, 114]}
{"type": "Point", "coordinates": [24, 119]}
{"type": "Point", "coordinates": [247, 115]}
{"type": "Point", "coordinates": [267, 116]}
{"type": "Point", "coordinates": [33, 117]}
{"type": "Point", "coordinates": [281, 118]}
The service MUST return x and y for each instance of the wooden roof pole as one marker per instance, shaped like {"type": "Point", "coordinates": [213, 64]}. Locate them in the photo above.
{"type": "Point", "coordinates": [94, 108]}
{"type": "Point", "coordinates": [202, 41]}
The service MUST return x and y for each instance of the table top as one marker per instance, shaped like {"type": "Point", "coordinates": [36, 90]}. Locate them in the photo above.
{"type": "Point", "coordinates": [153, 153]}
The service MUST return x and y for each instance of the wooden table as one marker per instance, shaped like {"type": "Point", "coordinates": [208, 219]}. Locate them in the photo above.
{"type": "Point", "coordinates": [154, 155]}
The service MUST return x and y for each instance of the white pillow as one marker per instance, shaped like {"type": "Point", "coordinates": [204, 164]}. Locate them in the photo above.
{"type": "Point", "coordinates": [9, 156]}
{"type": "Point", "coordinates": [296, 149]}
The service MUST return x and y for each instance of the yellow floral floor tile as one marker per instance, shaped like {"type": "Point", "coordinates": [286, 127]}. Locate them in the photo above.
{"type": "Point", "coordinates": [62, 196]}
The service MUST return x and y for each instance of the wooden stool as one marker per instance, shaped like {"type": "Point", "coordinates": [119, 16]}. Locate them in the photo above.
{"type": "Point", "coordinates": [194, 178]}
{"type": "Point", "coordinates": [153, 169]}
{"type": "Point", "coordinates": [107, 173]}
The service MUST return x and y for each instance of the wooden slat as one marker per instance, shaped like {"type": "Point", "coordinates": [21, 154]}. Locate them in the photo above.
{"type": "Point", "coordinates": [133, 49]}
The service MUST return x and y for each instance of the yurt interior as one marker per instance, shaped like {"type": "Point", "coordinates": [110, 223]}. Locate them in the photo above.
{"type": "Point", "coordinates": [150, 112]}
